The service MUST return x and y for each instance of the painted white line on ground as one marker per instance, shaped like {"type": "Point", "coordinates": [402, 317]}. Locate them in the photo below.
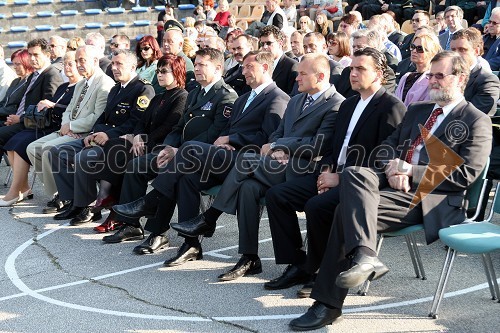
{"type": "Point", "coordinates": [11, 271]}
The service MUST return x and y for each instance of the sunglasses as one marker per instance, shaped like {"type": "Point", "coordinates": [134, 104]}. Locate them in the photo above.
{"type": "Point", "coordinates": [145, 48]}
{"type": "Point", "coordinates": [268, 43]}
{"type": "Point", "coordinates": [438, 76]}
{"type": "Point", "coordinates": [418, 48]}
{"type": "Point", "coordinates": [493, 22]}
{"type": "Point", "coordinates": [114, 44]}
{"type": "Point", "coordinates": [163, 71]}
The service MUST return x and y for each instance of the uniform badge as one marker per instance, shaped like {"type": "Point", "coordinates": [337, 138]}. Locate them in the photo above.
{"type": "Point", "coordinates": [227, 111]}
{"type": "Point", "coordinates": [207, 106]}
{"type": "Point", "coordinates": [143, 102]}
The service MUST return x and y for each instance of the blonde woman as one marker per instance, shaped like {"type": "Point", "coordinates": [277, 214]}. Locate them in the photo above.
{"type": "Point", "coordinates": [413, 86]}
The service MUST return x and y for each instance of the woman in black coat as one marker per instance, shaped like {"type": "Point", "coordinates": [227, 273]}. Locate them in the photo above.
{"type": "Point", "coordinates": [162, 114]}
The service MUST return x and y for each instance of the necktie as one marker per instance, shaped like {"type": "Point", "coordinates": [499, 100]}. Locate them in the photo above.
{"type": "Point", "coordinates": [200, 95]}
{"type": "Point", "coordinates": [80, 99]}
{"type": "Point", "coordinates": [20, 109]}
{"type": "Point", "coordinates": [253, 94]}
{"type": "Point", "coordinates": [309, 101]}
{"type": "Point", "coordinates": [447, 47]}
{"type": "Point", "coordinates": [419, 139]}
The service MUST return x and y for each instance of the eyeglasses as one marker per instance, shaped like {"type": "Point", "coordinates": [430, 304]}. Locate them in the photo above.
{"type": "Point", "coordinates": [114, 44]}
{"type": "Point", "coordinates": [418, 48]}
{"type": "Point", "coordinates": [332, 43]}
{"type": "Point", "coordinates": [163, 71]}
{"type": "Point", "coordinates": [145, 48]}
{"type": "Point", "coordinates": [493, 22]}
{"type": "Point", "coordinates": [268, 43]}
{"type": "Point", "coordinates": [438, 76]}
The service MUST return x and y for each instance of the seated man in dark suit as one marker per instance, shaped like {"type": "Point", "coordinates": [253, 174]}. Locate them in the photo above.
{"type": "Point", "coordinates": [304, 134]}
{"type": "Point", "coordinates": [41, 84]}
{"type": "Point", "coordinates": [363, 122]}
{"type": "Point", "coordinates": [314, 42]}
{"type": "Point", "coordinates": [240, 46]}
{"type": "Point", "coordinates": [493, 54]}
{"type": "Point", "coordinates": [199, 166]}
{"type": "Point", "coordinates": [285, 69]}
{"type": "Point", "coordinates": [388, 198]}
{"type": "Point", "coordinates": [206, 115]}
{"type": "Point", "coordinates": [483, 87]}
{"type": "Point", "coordinates": [362, 40]}
{"type": "Point", "coordinates": [420, 18]}
{"type": "Point", "coordinates": [74, 162]}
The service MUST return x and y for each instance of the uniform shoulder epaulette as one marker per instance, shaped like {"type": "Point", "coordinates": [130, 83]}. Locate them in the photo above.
{"type": "Point", "coordinates": [144, 81]}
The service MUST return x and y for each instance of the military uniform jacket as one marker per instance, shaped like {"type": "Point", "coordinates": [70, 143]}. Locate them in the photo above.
{"type": "Point", "coordinates": [235, 78]}
{"type": "Point", "coordinates": [205, 119]}
{"type": "Point", "coordinates": [124, 108]}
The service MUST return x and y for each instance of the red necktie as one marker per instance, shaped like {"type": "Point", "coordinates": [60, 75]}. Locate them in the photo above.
{"type": "Point", "coordinates": [419, 139]}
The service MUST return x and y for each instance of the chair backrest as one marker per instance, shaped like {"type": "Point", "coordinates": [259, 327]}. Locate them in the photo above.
{"type": "Point", "coordinates": [243, 25]}
{"type": "Point", "coordinates": [407, 27]}
{"type": "Point", "coordinates": [244, 12]}
{"type": "Point", "coordinates": [475, 193]}
{"type": "Point", "coordinates": [258, 11]}
{"type": "Point", "coordinates": [233, 9]}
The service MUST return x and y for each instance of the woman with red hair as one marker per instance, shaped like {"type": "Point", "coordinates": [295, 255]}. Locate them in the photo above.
{"type": "Point", "coordinates": [208, 6]}
{"type": "Point", "coordinates": [148, 52]}
{"type": "Point", "coordinates": [161, 116]}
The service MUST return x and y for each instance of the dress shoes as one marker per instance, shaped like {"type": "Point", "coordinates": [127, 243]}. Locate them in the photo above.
{"type": "Point", "coordinates": [125, 233]}
{"type": "Point", "coordinates": [317, 316]}
{"type": "Point", "coordinates": [306, 290]}
{"type": "Point", "coordinates": [85, 216]}
{"type": "Point", "coordinates": [136, 209]}
{"type": "Point", "coordinates": [153, 244]}
{"type": "Point", "coordinates": [69, 213]}
{"type": "Point", "coordinates": [245, 266]}
{"type": "Point", "coordinates": [8, 203]}
{"type": "Point", "coordinates": [194, 227]}
{"type": "Point", "coordinates": [110, 224]}
{"type": "Point", "coordinates": [292, 276]}
{"type": "Point", "coordinates": [186, 253]}
{"type": "Point", "coordinates": [363, 268]}
{"type": "Point", "coordinates": [103, 203]}
{"type": "Point", "coordinates": [57, 205]}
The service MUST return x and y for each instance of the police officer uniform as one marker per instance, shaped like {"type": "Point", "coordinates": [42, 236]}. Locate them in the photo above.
{"type": "Point", "coordinates": [73, 165]}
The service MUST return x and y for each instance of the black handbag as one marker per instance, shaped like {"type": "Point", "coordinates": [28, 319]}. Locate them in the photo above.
{"type": "Point", "coordinates": [34, 119]}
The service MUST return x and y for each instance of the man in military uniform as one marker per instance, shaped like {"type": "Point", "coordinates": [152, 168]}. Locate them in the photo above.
{"type": "Point", "coordinates": [206, 115]}
{"type": "Point", "coordinates": [73, 162]}
{"type": "Point", "coordinates": [241, 45]}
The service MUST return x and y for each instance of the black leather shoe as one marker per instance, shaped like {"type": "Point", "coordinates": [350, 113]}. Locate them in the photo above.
{"type": "Point", "coordinates": [186, 253]}
{"type": "Point", "coordinates": [125, 233]}
{"type": "Point", "coordinates": [292, 276]}
{"type": "Point", "coordinates": [58, 206]}
{"type": "Point", "coordinates": [69, 213]}
{"type": "Point", "coordinates": [364, 268]}
{"type": "Point", "coordinates": [85, 216]}
{"type": "Point", "coordinates": [136, 209]}
{"type": "Point", "coordinates": [245, 266]}
{"type": "Point", "coordinates": [306, 290]}
{"type": "Point", "coordinates": [194, 227]}
{"type": "Point", "coordinates": [154, 243]}
{"type": "Point", "coordinates": [317, 316]}
{"type": "Point", "coordinates": [54, 201]}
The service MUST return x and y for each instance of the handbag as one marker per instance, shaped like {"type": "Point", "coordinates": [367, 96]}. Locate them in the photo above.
{"type": "Point", "coordinates": [34, 119]}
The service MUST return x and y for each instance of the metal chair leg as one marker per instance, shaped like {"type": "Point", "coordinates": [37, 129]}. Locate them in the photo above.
{"type": "Point", "coordinates": [418, 258]}
{"type": "Point", "coordinates": [443, 280]}
{"type": "Point", "coordinates": [491, 277]}
{"type": "Point", "coordinates": [363, 290]}
{"type": "Point", "coordinates": [411, 249]}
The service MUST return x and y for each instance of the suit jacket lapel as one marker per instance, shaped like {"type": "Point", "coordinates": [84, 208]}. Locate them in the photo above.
{"type": "Point", "coordinates": [277, 71]}
{"type": "Point", "coordinates": [90, 90]}
{"type": "Point", "coordinates": [457, 110]}
{"type": "Point", "coordinates": [341, 126]}
{"type": "Point", "coordinates": [256, 102]}
{"type": "Point", "coordinates": [370, 107]}
{"type": "Point", "coordinates": [208, 96]}
{"type": "Point", "coordinates": [420, 120]}
{"type": "Point", "coordinates": [473, 75]}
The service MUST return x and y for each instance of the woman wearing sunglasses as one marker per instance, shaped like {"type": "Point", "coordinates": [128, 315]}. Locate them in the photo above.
{"type": "Point", "coordinates": [148, 52]}
{"type": "Point", "coordinates": [162, 114]}
{"type": "Point", "coordinates": [413, 86]}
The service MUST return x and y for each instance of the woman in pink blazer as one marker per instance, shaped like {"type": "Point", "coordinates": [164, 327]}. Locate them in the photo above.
{"type": "Point", "coordinates": [413, 86]}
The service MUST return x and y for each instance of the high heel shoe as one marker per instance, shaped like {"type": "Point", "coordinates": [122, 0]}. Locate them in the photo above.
{"type": "Point", "coordinates": [8, 203]}
{"type": "Point", "coordinates": [28, 195]}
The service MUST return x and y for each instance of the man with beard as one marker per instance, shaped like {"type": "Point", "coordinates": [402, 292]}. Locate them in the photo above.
{"type": "Point", "coordinates": [381, 199]}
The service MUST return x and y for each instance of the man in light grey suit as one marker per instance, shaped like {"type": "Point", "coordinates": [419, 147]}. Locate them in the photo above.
{"type": "Point", "coordinates": [87, 104]}
{"type": "Point", "coordinates": [303, 135]}
{"type": "Point", "coordinates": [453, 16]}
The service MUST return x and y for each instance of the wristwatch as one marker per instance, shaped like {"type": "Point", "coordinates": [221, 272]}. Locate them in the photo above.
{"type": "Point", "coordinates": [272, 145]}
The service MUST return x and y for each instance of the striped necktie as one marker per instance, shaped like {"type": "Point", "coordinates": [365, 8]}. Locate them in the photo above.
{"type": "Point", "coordinates": [419, 139]}
{"type": "Point", "coordinates": [20, 109]}
{"type": "Point", "coordinates": [309, 101]}
{"type": "Point", "coordinates": [80, 99]}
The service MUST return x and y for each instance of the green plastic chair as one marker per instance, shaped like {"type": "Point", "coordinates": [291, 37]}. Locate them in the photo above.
{"type": "Point", "coordinates": [473, 238]}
